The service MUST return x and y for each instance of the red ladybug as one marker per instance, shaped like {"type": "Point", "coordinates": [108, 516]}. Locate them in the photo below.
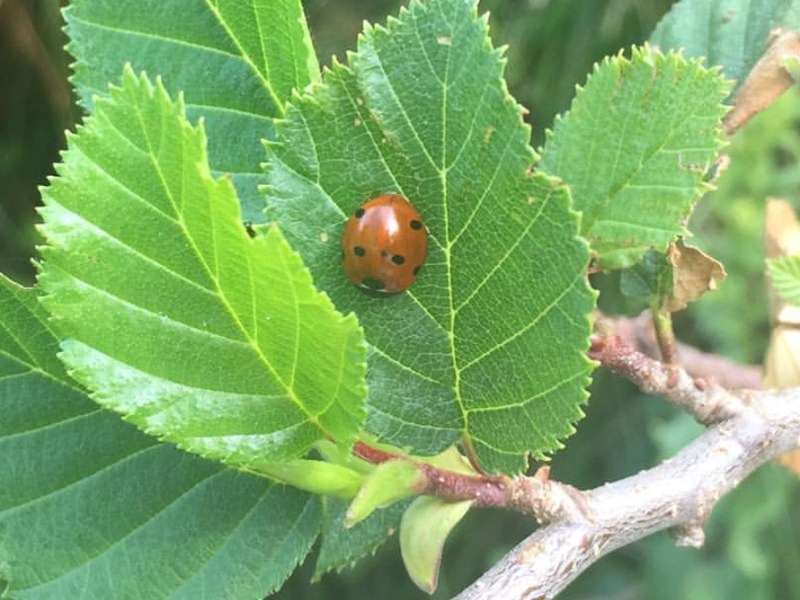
{"type": "Point", "coordinates": [384, 245]}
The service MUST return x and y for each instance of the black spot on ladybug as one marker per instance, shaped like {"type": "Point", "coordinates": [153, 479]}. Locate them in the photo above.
{"type": "Point", "coordinates": [384, 253]}
{"type": "Point", "coordinates": [416, 270]}
{"type": "Point", "coordinates": [416, 224]}
{"type": "Point", "coordinates": [398, 260]}
{"type": "Point", "coordinates": [359, 251]}
{"type": "Point", "coordinates": [374, 284]}
{"type": "Point", "coordinates": [359, 213]}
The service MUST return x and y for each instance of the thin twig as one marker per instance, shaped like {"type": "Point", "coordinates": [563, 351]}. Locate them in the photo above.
{"type": "Point", "coordinates": [639, 333]}
{"type": "Point", "coordinates": [705, 400]}
{"type": "Point", "coordinates": [677, 495]}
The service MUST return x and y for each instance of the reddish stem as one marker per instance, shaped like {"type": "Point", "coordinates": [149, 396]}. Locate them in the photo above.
{"type": "Point", "coordinates": [484, 490]}
{"type": "Point", "coordinates": [649, 375]}
{"type": "Point", "coordinates": [372, 454]}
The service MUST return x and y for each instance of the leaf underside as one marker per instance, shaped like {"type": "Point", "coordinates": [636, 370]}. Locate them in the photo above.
{"type": "Point", "coordinates": [173, 316]}
{"type": "Point", "coordinates": [488, 344]}
{"type": "Point", "coordinates": [92, 508]}
{"type": "Point", "coordinates": [634, 148]}
{"type": "Point", "coordinates": [236, 62]}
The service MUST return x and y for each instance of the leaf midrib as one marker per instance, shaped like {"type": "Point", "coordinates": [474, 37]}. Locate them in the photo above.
{"type": "Point", "coordinates": [443, 172]}
{"type": "Point", "coordinates": [33, 366]}
{"type": "Point", "coordinates": [279, 105]}
{"type": "Point", "coordinates": [78, 482]}
{"type": "Point", "coordinates": [290, 393]}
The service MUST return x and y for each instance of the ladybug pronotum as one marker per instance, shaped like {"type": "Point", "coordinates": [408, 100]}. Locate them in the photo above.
{"type": "Point", "coordinates": [384, 245]}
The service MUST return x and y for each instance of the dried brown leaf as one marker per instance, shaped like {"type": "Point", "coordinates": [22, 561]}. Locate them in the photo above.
{"type": "Point", "coordinates": [693, 274]}
{"type": "Point", "coordinates": [771, 76]}
{"type": "Point", "coordinates": [781, 229]}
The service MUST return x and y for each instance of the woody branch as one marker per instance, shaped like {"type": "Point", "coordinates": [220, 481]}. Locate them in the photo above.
{"type": "Point", "coordinates": [744, 430]}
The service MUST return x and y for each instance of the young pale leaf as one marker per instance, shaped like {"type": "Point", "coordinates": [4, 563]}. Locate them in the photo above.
{"type": "Point", "coordinates": [423, 532]}
{"type": "Point", "coordinates": [70, 470]}
{"type": "Point", "coordinates": [315, 476]}
{"type": "Point", "coordinates": [634, 148]}
{"type": "Point", "coordinates": [733, 34]}
{"type": "Point", "coordinates": [236, 61]}
{"type": "Point", "coordinates": [174, 316]}
{"type": "Point", "coordinates": [390, 482]}
{"type": "Point", "coordinates": [785, 275]}
{"type": "Point", "coordinates": [489, 343]}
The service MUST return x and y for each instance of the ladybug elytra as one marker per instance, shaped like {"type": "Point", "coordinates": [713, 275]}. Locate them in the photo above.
{"type": "Point", "coordinates": [384, 245]}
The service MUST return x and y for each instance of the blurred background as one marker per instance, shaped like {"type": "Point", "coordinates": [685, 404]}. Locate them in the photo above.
{"type": "Point", "coordinates": [753, 539]}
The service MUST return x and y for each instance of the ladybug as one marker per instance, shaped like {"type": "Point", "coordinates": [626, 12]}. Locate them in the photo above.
{"type": "Point", "coordinates": [384, 245]}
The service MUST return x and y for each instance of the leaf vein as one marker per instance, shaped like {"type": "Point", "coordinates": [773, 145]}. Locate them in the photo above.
{"type": "Point", "coordinates": [219, 290]}
{"type": "Point", "coordinates": [279, 107]}
{"type": "Point", "coordinates": [525, 329]}
{"type": "Point", "coordinates": [154, 36]}
{"type": "Point", "coordinates": [116, 543]}
{"type": "Point", "coordinates": [509, 252]}
{"type": "Point", "coordinates": [404, 366]}
{"type": "Point", "coordinates": [402, 111]}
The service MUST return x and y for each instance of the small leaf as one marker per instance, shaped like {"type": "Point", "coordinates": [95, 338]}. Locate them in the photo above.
{"type": "Point", "coordinates": [784, 273]}
{"type": "Point", "coordinates": [88, 503]}
{"type": "Point", "coordinates": [344, 457]}
{"type": "Point", "coordinates": [634, 148]}
{"type": "Point", "coordinates": [315, 476]}
{"type": "Point", "coordinates": [391, 481]}
{"type": "Point", "coordinates": [237, 63]}
{"type": "Point", "coordinates": [644, 279]}
{"type": "Point", "coordinates": [451, 460]}
{"type": "Point", "coordinates": [174, 316]}
{"type": "Point", "coordinates": [423, 532]}
{"type": "Point", "coordinates": [693, 274]}
{"type": "Point", "coordinates": [423, 111]}
{"type": "Point", "coordinates": [730, 33]}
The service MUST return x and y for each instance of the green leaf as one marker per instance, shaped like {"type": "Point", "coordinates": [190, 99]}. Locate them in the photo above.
{"type": "Point", "coordinates": [236, 62]}
{"type": "Point", "coordinates": [423, 111]}
{"type": "Point", "coordinates": [343, 546]}
{"type": "Point", "coordinates": [634, 148]}
{"type": "Point", "coordinates": [174, 316]}
{"type": "Point", "coordinates": [423, 532]}
{"type": "Point", "coordinates": [390, 482]}
{"type": "Point", "coordinates": [315, 476]}
{"type": "Point", "coordinates": [92, 508]}
{"type": "Point", "coordinates": [644, 280]}
{"type": "Point", "coordinates": [785, 275]}
{"type": "Point", "coordinates": [733, 34]}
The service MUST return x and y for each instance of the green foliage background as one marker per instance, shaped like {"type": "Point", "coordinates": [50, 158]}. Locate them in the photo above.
{"type": "Point", "coordinates": [753, 548]}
